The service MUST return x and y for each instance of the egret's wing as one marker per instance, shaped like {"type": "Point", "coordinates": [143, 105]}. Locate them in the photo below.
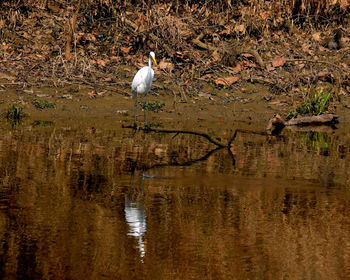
{"type": "Point", "coordinates": [138, 78]}
{"type": "Point", "coordinates": [143, 80]}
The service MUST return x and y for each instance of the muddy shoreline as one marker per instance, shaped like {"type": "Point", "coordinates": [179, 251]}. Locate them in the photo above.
{"type": "Point", "coordinates": [217, 114]}
{"type": "Point", "coordinates": [217, 72]}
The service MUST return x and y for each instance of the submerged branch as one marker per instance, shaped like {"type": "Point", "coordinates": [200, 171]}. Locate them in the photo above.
{"type": "Point", "coordinates": [186, 163]}
{"type": "Point", "coordinates": [235, 133]}
{"type": "Point", "coordinates": [206, 136]}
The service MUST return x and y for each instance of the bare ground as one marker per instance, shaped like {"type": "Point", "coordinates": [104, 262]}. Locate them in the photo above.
{"type": "Point", "coordinates": [220, 75]}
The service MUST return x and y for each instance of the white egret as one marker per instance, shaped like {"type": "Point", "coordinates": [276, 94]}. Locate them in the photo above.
{"type": "Point", "coordinates": [142, 82]}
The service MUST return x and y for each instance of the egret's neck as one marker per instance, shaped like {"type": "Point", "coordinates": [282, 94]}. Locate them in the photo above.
{"type": "Point", "coordinates": [150, 62]}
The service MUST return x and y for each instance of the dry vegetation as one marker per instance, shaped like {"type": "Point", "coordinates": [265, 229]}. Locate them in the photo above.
{"type": "Point", "coordinates": [280, 43]}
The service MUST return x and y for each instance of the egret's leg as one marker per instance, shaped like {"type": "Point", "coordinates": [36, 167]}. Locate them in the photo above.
{"type": "Point", "coordinates": [145, 110]}
{"type": "Point", "coordinates": [135, 112]}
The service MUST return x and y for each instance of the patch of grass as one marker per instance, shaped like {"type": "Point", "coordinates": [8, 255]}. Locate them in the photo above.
{"type": "Point", "coordinates": [42, 123]}
{"type": "Point", "coordinates": [154, 106]}
{"type": "Point", "coordinates": [15, 113]}
{"type": "Point", "coordinates": [315, 105]}
{"type": "Point", "coordinates": [43, 104]}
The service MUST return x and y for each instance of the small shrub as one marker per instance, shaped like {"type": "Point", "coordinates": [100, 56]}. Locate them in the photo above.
{"type": "Point", "coordinates": [43, 104]}
{"type": "Point", "coordinates": [313, 106]}
{"type": "Point", "coordinates": [15, 113]}
{"type": "Point", "coordinates": [154, 106]}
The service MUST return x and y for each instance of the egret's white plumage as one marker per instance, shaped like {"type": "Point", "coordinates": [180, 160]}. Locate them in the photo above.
{"type": "Point", "coordinates": [142, 82]}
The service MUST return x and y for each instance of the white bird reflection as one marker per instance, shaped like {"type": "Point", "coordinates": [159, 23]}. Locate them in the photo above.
{"type": "Point", "coordinates": [136, 217]}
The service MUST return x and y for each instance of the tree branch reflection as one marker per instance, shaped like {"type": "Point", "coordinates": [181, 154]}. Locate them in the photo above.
{"type": "Point", "coordinates": [201, 134]}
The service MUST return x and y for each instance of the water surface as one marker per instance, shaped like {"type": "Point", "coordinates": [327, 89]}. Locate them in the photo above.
{"type": "Point", "coordinates": [114, 204]}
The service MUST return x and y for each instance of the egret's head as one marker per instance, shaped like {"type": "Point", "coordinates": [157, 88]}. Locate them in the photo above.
{"type": "Point", "coordinates": [153, 56]}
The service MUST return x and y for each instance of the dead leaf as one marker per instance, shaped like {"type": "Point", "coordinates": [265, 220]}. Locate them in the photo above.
{"type": "Point", "coordinates": [306, 48]}
{"type": "Point", "coordinates": [125, 50]}
{"type": "Point", "coordinates": [269, 68]}
{"type": "Point", "coordinates": [7, 76]}
{"type": "Point", "coordinates": [101, 62]}
{"type": "Point", "coordinates": [326, 77]}
{"type": "Point", "coordinates": [141, 22]}
{"type": "Point", "coordinates": [227, 81]}
{"type": "Point", "coordinates": [316, 36]}
{"type": "Point", "coordinates": [343, 4]}
{"type": "Point", "coordinates": [247, 63]}
{"type": "Point", "coordinates": [227, 30]}
{"type": "Point", "coordinates": [92, 94]}
{"type": "Point", "coordinates": [207, 76]}
{"type": "Point", "coordinates": [114, 58]}
{"type": "Point", "coordinates": [278, 62]}
{"type": "Point", "coordinates": [247, 55]}
{"type": "Point", "coordinates": [40, 56]}
{"type": "Point", "coordinates": [278, 102]}
{"type": "Point", "coordinates": [216, 55]}
{"type": "Point", "coordinates": [163, 64]}
{"type": "Point", "coordinates": [244, 90]}
{"type": "Point", "coordinates": [238, 68]}
{"type": "Point", "coordinates": [264, 15]}
{"type": "Point", "coordinates": [240, 28]}
{"type": "Point", "coordinates": [222, 120]}
{"type": "Point", "coordinates": [107, 79]}
{"type": "Point", "coordinates": [53, 7]}
{"type": "Point", "coordinates": [90, 37]}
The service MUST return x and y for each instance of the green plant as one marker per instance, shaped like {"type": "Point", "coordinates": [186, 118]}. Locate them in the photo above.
{"type": "Point", "coordinates": [43, 104]}
{"type": "Point", "coordinates": [154, 106]}
{"type": "Point", "coordinates": [42, 123]}
{"type": "Point", "coordinates": [315, 105]}
{"type": "Point", "coordinates": [15, 113]}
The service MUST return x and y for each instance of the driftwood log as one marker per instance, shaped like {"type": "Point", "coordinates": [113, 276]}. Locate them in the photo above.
{"type": "Point", "coordinates": [277, 123]}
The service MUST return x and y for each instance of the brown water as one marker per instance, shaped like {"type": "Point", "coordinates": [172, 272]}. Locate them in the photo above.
{"type": "Point", "coordinates": [113, 204]}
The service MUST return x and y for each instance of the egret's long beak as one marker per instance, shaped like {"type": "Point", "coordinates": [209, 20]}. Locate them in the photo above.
{"type": "Point", "coordinates": [154, 60]}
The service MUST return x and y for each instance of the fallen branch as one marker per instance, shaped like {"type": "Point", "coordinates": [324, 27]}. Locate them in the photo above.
{"type": "Point", "coordinates": [277, 123]}
{"type": "Point", "coordinates": [197, 41]}
{"type": "Point", "coordinates": [235, 133]}
{"type": "Point", "coordinates": [206, 136]}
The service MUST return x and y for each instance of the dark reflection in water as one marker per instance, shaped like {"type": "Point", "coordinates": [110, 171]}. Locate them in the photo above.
{"type": "Point", "coordinates": [113, 205]}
